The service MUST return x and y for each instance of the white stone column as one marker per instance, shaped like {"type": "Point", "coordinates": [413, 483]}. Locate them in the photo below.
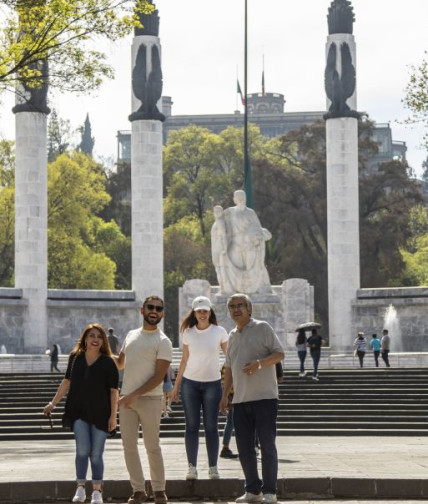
{"type": "Point", "coordinates": [343, 227]}
{"type": "Point", "coordinates": [147, 208]}
{"type": "Point", "coordinates": [31, 203]}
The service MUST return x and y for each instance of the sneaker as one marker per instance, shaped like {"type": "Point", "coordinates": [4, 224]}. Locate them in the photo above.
{"type": "Point", "coordinates": [228, 453]}
{"type": "Point", "coordinates": [80, 494]}
{"type": "Point", "coordinates": [97, 497]}
{"type": "Point", "coordinates": [302, 375]}
{"type": "Point", "coordinates": [213, 473]}
{"type": "Point", "coordinates": [250, 497]}
{"type": "Point", "coordinates": [315, 378]}
{"type": "Point", "coordinates": [137, 498]}
{"type": "Point", "coordinates": [168, 409]}
{"type": "Point", "coordinates": [269, 498]}
{"type": "Point", "coordinates": [160, 497]}
{"type": "Point", "coordinates": [192, 473]}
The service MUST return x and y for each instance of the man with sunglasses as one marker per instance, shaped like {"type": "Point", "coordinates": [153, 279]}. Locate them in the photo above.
{"type": "Point", "coordinates": [145, 355]}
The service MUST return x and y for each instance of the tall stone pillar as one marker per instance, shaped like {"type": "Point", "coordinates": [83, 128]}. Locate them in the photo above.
{"type": "Point", "coordinates": [31, 203]}
{"type": "Point", "coordinates": [342, 174]}
{"type": "Point", "coordinates": [146, 160]}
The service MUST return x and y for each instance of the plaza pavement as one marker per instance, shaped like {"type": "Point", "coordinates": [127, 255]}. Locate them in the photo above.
{"type": "Point", "coordinates": [309, 468]}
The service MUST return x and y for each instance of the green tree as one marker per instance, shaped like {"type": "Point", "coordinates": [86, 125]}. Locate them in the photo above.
{"type": "Point", "coordinates": [7, 212]}
{"type": "Point", "coordinates": [76, 193]}
{"type": "Point", "coordinates": [87, 142]}
{"type": "Point", "coordinates": [59, 137]}
{"type": "Point", "coordinates": [416, 94]}
{"type": "Point", "coordinates": [119, 188]}
{"type": "Point", "coordinates": [61, 32]}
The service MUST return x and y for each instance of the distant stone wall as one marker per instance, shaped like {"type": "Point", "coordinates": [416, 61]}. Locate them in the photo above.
{"type": "Point", "coordinates": [69, 311]}
{"type": "Point", "coordinates": [410, 331]}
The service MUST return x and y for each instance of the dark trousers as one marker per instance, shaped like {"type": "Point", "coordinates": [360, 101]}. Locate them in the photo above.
{"type": "Point", "coordinates": [385, 357]}
{"type": "Point", "coordinates": [376, 357]}
{"type": "Point", "coordinates": [316, 355]}
{"type": "Point", "coordinates": [302, 357]}
{"type": "Point", "coordinates": [251, 418]}
{"type": "Point", "coordinates": [361, 357]}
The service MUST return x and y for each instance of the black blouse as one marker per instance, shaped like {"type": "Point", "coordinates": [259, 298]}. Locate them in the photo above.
{"type": "Point", "coordinates": [89, 396]}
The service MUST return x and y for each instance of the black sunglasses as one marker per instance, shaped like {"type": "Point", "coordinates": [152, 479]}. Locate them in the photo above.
{"type": "Point", "coordinates": [152, 307]}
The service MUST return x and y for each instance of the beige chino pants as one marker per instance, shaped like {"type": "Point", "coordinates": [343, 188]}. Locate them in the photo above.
{"type": "Point", "coordinates": [147, 412]}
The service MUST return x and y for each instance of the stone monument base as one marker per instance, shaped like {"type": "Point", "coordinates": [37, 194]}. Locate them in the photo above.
{"type": "Point", "coordinates": [289, 305]}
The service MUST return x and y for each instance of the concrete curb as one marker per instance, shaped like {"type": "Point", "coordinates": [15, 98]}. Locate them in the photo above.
{"type": "Point", "coordinates": [227, 489]}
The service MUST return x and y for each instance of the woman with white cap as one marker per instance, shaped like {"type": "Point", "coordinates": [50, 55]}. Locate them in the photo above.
{"type": "Point", "coordinates": [199, 381]}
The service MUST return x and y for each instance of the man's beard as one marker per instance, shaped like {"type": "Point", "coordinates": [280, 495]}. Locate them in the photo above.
{"type": "Point", "coordinates": [152, 322]}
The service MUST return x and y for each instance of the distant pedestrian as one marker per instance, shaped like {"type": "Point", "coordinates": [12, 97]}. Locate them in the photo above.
{"type": "Point", "coordinates": [226, 452]}
{"type": "Point", "coordinates": [54, 358]}
{"type": "Point", "coordinates": [375, 344]}
{"type": "Point", "coordinates": [113, 341]}
{"type": "Point", "coordinates": [167, 392]}
{"type": "Point", "coordinates": [360, 345]}
{"type": "Point", "coordinates": [3, 349]}
{"type": "Point", "coordinates": [385, 347]}
{"type": "Point", "coordinates": [314, 343]}
{"type": "Point", "coordinates": [301, 346]}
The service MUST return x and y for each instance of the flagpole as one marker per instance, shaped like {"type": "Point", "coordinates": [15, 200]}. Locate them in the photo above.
{"type": "Point", "coordinates": [247, 164]}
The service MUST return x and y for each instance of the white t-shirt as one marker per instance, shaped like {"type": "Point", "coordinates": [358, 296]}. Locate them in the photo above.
{"type": "Point", "coordinates": [142, 349]}
{"type": "Point", "coordinates": [203, 363]}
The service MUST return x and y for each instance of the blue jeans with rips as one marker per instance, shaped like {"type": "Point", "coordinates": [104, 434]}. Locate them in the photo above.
{"type": "Point", "coordinates": [206, 396]}
{"type": "Point", "coordinates": [251, 418]}
{"type": "Point", "coordinates": [90, 443]}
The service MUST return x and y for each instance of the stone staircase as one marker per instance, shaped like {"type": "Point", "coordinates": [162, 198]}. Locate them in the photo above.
{"type": "Point", "coordinates": [352, 402]}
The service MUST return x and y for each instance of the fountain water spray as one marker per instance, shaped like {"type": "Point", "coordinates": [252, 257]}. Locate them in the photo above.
{"type": "Point", "coordinates": [391, 322]}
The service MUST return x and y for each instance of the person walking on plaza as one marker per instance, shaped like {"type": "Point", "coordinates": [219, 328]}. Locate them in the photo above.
{"type": "Point", "coordinates": [145, 356]}
{"type": "Point", "coordinates": [113, 342]}
{"type": "Point", "coordinates": [301, 346]}
{"type": "Point", "coordinates": [385, 347]}
{"type": "Point", "coordinates": [360, 345]}
{"type": "Point", "coordinates": [91, 385]}
{"type": "Point", "coordinates": [375, 344]}
{"type": "Point", "coordinates": [252, 353]}
{"type": "Point", "coordinates": [314, 343]}
{"type": "Point", "coordinates": [199, 381]}
{"type": "Point", "coordinates": [226, 452]}
{"type": "Point", "coordinates": [53, 354]}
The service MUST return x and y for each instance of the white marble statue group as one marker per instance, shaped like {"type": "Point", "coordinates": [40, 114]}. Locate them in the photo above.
{"type": "Point", "coordinates": [238, 249]}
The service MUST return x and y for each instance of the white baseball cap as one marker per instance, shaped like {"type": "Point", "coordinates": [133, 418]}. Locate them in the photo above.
{"type": "Point", "coordinates": [201, 303]}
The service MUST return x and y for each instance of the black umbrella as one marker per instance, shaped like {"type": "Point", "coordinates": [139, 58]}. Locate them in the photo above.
{"type": "Point", "coordinates": [308, 326]}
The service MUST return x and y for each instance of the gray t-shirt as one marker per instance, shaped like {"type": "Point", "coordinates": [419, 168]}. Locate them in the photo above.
{"type": "Point", "coordinates": [386, 341]}
{"type": "Point", "coordinates": [257, 340]}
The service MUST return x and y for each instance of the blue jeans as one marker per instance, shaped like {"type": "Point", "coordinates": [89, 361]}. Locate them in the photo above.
{"type": "Point", "coordinates": [228, 428]}
{"type": "Point", "coordinates": [302, 357]}
{"type": "Point", "coordinates": [250, 418]}
{"type": "Point", "coordinates": [90, 443]}
{"type": "Point", "coordinates": [316, 355]}
{"type": "Point", "coordinates": [206, 395]}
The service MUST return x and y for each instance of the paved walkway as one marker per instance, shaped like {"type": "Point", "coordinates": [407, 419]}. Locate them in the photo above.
{"type": "Point", "coordinates": [299, 457]}
{"type": "Point", "coordinates": [374, 464]}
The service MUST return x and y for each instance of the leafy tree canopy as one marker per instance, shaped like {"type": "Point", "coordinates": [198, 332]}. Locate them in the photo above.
{"type": "Point", "coordinates": [416, 94]}
{"type": "Point", "coordinates": [63, 33]}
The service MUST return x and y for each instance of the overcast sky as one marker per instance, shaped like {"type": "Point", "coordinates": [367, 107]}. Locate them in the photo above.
{"type": "Point", "coordinates": [202, 53]}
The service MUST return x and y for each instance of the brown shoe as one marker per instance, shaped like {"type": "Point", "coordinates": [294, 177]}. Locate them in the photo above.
{"type": "Point", "coordinates": [137, 498]}
{"type": "Point", "coordinates": [160, 497]}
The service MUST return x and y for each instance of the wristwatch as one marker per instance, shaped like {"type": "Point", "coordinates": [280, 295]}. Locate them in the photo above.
{"type": "Point", "coordinates": [259, 364]}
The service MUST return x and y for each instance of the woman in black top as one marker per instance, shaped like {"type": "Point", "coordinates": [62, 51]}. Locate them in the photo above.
{"type": "Point", "coordinates": [91, 384]}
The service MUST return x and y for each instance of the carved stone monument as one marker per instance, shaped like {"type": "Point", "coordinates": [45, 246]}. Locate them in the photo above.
{"type": "Point", "coordinates": [238, 249]}
{"type": "Point", "coordinates": [342, 174]}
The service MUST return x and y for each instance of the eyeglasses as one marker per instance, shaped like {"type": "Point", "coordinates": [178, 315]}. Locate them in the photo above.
{"type": "Point", "coordinates": [152, 307]}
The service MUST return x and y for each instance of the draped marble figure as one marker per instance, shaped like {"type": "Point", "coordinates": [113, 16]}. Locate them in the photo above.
{"type": "Point", "coordinates": [238, 249]}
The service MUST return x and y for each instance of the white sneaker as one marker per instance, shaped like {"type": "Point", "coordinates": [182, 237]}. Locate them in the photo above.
{"type": "Point", "coordinates": [213, 473]}
{"type": "Point", "coordinates": [315, 378]}
{"type": "Point", "coordinates": [97, 497]}
{"type": "Point", "coordinates": [192, 473]}
{"type": "Point", "coordinates": [269, 498]}
{"type": "Point", "coordinates": [250, 497]}
{"type": "Point", "coordinates": [80, 495]}
{"type": "Point", "coordinates": [302, 375]}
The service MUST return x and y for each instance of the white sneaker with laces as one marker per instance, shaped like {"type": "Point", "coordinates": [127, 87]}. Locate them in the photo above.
{"type": "Point", "coordinates": [250, 497]}
{"type": "Point", "coordinates": [97, 497]}
{"type": "Point", "coordinates": [80, 495]}
{"type": "Point", "coordinates": [192, 473]}
{"type": "Point", "coordinates": [213, 473]}
{"type": "Point", "coordinates": [269, 498]}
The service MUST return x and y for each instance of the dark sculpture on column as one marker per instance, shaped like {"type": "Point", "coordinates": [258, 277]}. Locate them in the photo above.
{"type": "Point", "coordinates": [147, 72]}
{"type": "Point", "coordinates": [34, 99]}
{"type": "Point", "coordinates": [340, 87]}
